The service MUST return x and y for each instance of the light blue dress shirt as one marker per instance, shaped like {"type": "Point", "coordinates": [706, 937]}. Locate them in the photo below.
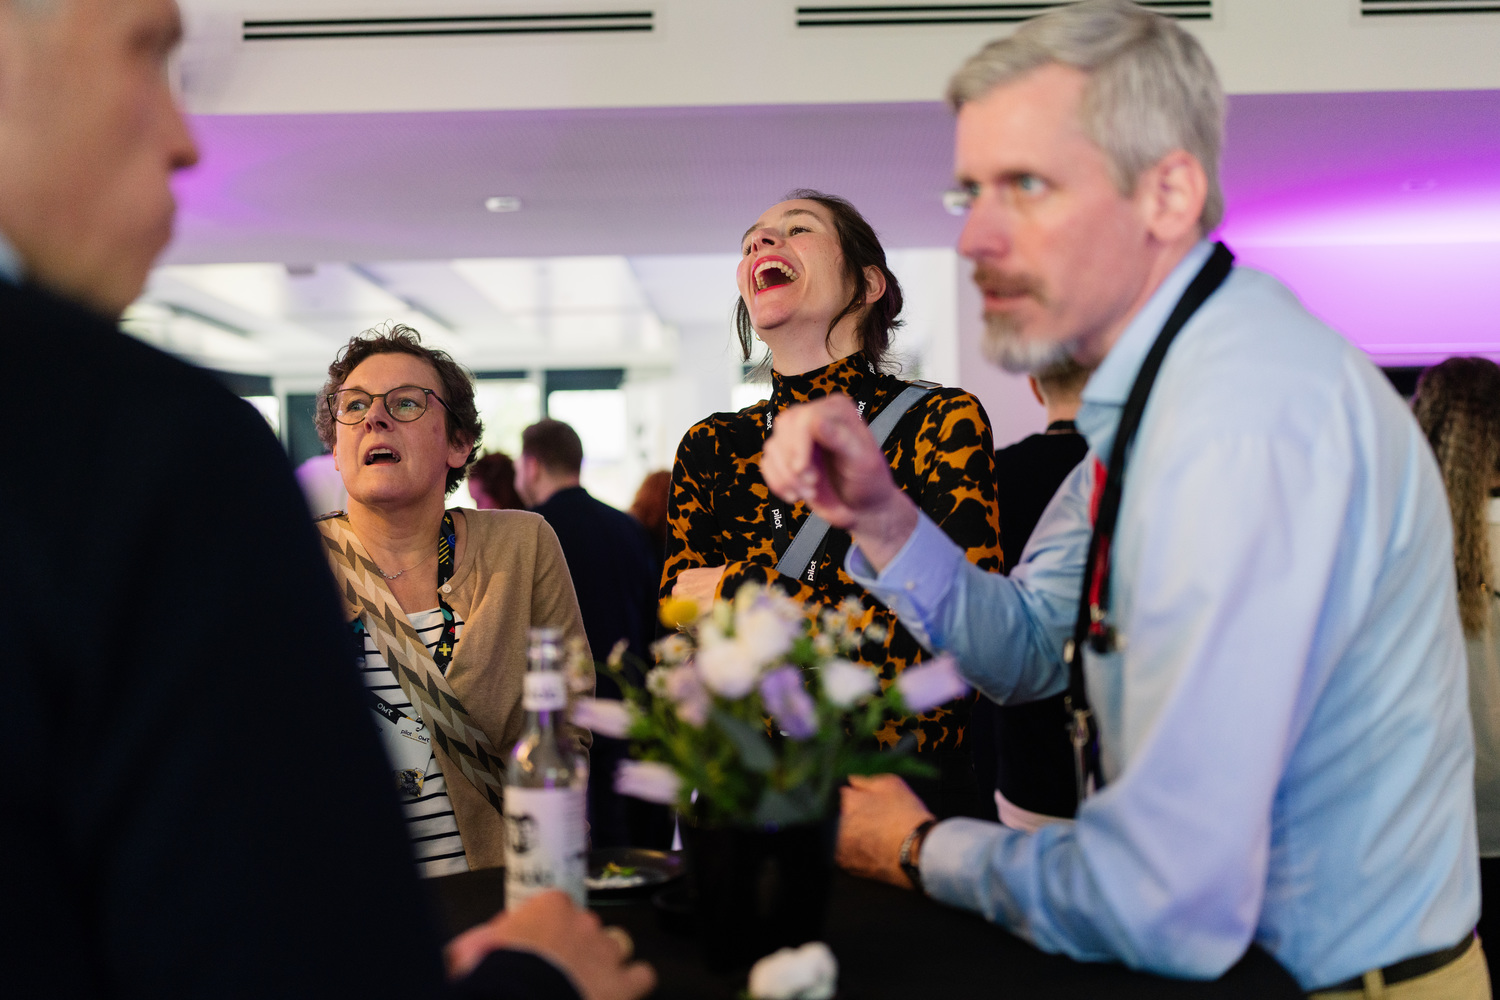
{"type": "Point", "coordinates": [1285, 734]}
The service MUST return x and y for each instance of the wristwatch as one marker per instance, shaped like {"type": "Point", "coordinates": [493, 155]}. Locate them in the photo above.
{"type": "Point", "coordinates": [910, 852]}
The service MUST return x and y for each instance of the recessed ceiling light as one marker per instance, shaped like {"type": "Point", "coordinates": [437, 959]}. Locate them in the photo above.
{"type": "Point", "coordinates": [502, 203]}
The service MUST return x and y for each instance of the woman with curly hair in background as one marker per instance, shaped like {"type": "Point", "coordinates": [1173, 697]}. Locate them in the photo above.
{"type": "Point", "coordinates": [1458, 406]}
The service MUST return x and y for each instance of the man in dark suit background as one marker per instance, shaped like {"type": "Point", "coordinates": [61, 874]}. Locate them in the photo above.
{"type": "Point", "coordinates": [615, 576]}
{"type": "Point", "coordinates": [1022, 751]}
{"type": "Point", "coordinates": [169, 667]}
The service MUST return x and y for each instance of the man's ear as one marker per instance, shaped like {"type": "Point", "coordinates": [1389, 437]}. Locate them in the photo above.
{"type": "Point", "coordinates": [1171, 194]}
{"type": "Point", "coordinates": [874, 284]}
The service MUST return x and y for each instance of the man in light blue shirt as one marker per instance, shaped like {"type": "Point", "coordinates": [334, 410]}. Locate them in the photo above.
{"type": "Point", "coordinates": [1284, 732]}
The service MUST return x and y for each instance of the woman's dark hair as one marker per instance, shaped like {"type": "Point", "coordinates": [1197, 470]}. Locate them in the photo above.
{"type": "Point", "coordinates": [460, 415]}
{"type": "Point", "coordinates": [861, 249]}
{"type": "Point", "coordinates": [1458, 406]}
{"type": "Point", "coordinates": [496, 475]}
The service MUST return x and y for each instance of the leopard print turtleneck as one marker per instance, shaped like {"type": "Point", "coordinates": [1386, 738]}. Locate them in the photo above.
{"type": "Point", "coordinates": [721, 513]}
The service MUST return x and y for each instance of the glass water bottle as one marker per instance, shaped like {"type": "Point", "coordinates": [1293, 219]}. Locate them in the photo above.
{"type": "Point", "coordinates": [545, 787]}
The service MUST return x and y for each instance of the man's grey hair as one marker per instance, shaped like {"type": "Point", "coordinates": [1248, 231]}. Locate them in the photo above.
{"type": "Point", "coordinates": [1151, 89]}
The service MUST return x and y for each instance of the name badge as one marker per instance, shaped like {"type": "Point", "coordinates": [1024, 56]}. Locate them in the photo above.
{"type": "Point", "coordinates": [409, 747]}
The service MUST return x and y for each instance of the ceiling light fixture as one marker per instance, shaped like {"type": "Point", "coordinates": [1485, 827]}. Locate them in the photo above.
{"type": "Point", "coordinates": [502, 203]}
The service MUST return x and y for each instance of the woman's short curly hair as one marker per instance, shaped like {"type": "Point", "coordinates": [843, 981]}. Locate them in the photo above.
{"type": "Point", "coordinates": [460, 414]}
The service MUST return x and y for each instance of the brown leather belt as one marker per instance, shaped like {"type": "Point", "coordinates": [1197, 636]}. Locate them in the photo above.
{"type": "Point", "coordinates": [1408, 968]}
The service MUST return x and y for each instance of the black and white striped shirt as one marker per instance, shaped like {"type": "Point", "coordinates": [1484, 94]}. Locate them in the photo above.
{"type": "Point", "coordinates": [429, 818]}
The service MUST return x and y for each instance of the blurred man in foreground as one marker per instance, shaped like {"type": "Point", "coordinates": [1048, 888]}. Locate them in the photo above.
{"type": "Point", "coordinates": [171, 842]}
{"type": "Point", "coordinates": [1272, 652]}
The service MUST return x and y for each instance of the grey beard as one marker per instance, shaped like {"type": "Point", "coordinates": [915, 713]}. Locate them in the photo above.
{"type": "Point", "coordinates": [1003, 345]}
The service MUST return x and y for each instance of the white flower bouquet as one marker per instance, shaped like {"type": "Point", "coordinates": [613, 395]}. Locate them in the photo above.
{"type": "Point", "coordinates": [756, 707]}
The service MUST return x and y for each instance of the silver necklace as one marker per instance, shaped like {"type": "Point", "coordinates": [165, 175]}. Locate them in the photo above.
{"type": "Point", "coordinates": [392, 576]}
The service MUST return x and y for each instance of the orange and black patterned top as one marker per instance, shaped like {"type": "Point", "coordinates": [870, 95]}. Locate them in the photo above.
{"type": "Point", "coordinates": [722, 514]}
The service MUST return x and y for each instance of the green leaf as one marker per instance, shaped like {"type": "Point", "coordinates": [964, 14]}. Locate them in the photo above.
{"type": "Point", "coordinates": [887, 762]}
{"type": "Point", "coordinates": [751, 742]}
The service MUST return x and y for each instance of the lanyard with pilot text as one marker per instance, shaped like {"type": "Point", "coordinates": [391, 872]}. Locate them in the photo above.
{"type": "Point", "coordinates": [442, 655]}
{"type": "Point", "coordinates": [1093, 625]}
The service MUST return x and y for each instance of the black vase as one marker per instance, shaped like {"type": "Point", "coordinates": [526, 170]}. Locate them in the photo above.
{"type": "Point", "coordinates": [757, 889]}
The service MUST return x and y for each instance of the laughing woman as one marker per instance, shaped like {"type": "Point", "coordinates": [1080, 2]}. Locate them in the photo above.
{"type": "Point", "coordinates": [814, 286]}
{"type": "Point", "coordinates": [440, 600]}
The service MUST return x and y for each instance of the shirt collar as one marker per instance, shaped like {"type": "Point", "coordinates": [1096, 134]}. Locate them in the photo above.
{"type": "Point", "coordinates": [10, 262]}
{"type": "Point", "coordinates": [1107, 389]}
{"type": "Point", "coordinates": [847, 375]}
{"type": "Point", "coordinates": [1111, 381]}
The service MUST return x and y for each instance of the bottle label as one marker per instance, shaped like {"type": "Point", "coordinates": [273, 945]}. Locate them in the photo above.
{"type": "Point", "coordinates": [546, 843]}
{"type": "Point", "coordinates": [544, 691]}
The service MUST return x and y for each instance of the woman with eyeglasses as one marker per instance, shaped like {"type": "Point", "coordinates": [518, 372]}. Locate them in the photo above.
{"type": "Point", "coordinates": [401, 422]}
{"type": "Point", "coordinates": [815, 288]}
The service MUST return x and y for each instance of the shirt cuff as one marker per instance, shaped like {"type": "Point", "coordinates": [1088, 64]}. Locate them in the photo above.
{"type": "Point", "coordinates": [955, 854]}
{"type": "Point", "coordinates": [916, 582]}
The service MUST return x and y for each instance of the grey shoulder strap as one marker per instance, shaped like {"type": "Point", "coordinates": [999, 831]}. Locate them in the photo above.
{"type": "Point", "coordinates": [795, 560]}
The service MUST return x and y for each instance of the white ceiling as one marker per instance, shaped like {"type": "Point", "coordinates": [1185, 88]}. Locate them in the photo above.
{"type": "Point", "coordinates": [391, 210]}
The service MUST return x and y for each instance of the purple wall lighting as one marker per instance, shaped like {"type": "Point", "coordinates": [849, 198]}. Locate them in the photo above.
{"type": "Point", "coordinates": [1382, 211]}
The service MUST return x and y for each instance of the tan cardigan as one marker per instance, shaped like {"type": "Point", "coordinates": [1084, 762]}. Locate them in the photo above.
{"type": "Point", "coordinates": [511, 576]}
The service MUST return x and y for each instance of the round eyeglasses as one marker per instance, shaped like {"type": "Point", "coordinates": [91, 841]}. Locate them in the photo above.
{"type": "Point", "coordinates": [404, 403]}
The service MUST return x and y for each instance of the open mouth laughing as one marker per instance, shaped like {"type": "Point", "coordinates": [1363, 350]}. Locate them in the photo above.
{"type": "Point", "coordinates": [773, 272]}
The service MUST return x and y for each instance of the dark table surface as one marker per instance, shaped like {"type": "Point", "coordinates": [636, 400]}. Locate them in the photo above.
{"type": "Point", "coordinates": [890, 943]}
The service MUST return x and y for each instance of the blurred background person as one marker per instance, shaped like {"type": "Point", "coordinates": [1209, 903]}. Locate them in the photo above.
{"type": "Point", "coordinates": [1458, 406]}
{"type": "Point", "coordinates": [492, 483]}
{"type": "Point", "coordinates": [401, 422]}
{"type": "Point", "coordinates": [321, 485]}
{"type": "Point", "coordinates": [1028, 473]}
{"type": "Point", "coordinates": [613, 568]}
{"type": "Point", "coordinates": [650, 508]}
{"type": "Point", "coordinates": [1023, 751]}
{"type": "Point", "coordinates": [815, 287]}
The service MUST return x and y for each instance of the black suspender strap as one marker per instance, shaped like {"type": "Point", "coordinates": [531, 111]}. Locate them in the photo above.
{"type": "Point", "coordinates": [798, 557]}
{"type": "Point", "coordinates": [1093, 625]}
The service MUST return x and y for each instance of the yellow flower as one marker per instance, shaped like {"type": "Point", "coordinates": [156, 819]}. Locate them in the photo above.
{"type": "Point", "coordinates": [678, 611]}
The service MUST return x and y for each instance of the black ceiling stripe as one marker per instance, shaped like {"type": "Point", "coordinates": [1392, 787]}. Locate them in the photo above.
{"type": "Point", "coordinates": [487, 18]}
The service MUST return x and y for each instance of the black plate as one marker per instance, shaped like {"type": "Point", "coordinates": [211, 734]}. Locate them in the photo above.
{"type": "Point", "coordinates": [653, 869]}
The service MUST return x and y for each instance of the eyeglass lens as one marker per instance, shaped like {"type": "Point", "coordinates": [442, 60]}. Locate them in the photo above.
{"type": "Point", "coordinates": [405, 403]}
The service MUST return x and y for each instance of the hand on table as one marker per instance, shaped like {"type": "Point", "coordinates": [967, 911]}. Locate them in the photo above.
{"type": "Point", "coordinates": [699, 585]}
{"type": "Point", "coordinates": [822, 453]}
{"type": "Point", "coordinates": [876, 815]}
{"type": "Point", "coordinates": [596, 959]}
